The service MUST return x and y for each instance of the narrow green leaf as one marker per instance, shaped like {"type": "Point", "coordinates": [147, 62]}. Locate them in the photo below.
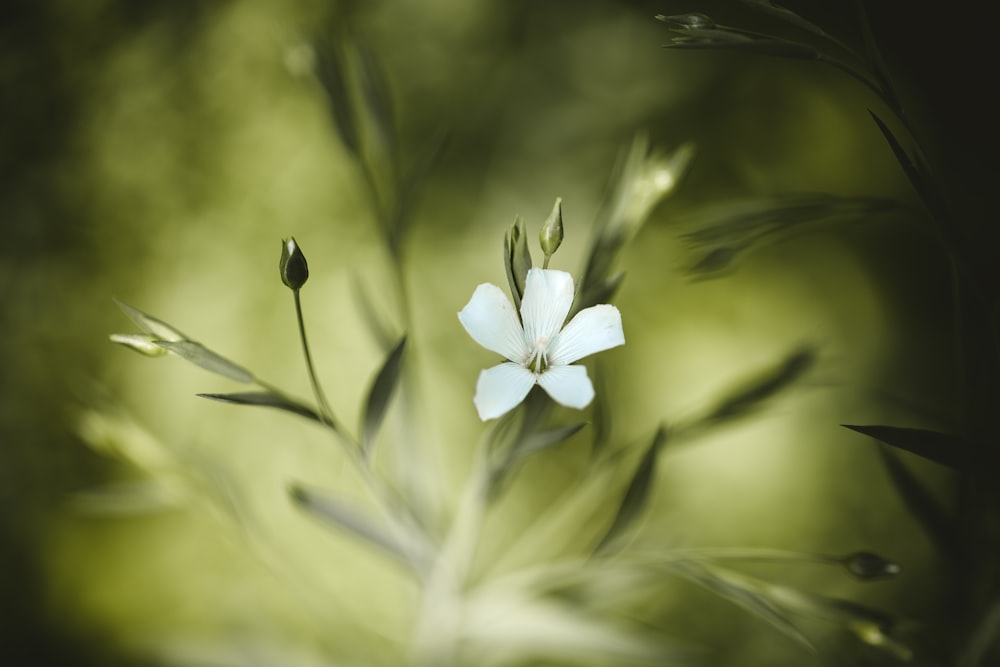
{"type": "Point", "coordinates": [376, 93]}
{"type": "Point", "coordinates": [377, 325]}
{"type": "Point", "coordinates": [752, 395]}
{"type": "Point", "coordinates": [923, 507]}
{"type": "Point", "coordinates": [743, 592]}
{"type": "Point", "coordinates": [341, 515]}
{"type": "Point", "coordinates": [149, 324]}
{"type": "Point", "coordinates": [916, 172]}
{"type": "Point", "coordinates": [378, 398]}
{"type": "Point", "coordinates": [266, 399]}
{"type": "Point", "coordinates": [636, 495]}
{"type": "Point", "coordinates": [200, 355]}
{"type": "Point", "coordinates": [948, 450]}
{"type": "Point", "coordinates": [875, 59]}
{"type": "Point", "coordinates": [541, 440]}
{"type": "Point", "coordinates": [786, 15]}
{"type": "Point", "coordinates": [144, 344]}
{"type": "Point", "coordinates": [330, 72]}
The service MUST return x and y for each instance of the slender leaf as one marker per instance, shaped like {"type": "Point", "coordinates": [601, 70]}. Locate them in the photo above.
{"type": "Point", "coordinates": [875, 59]}
{"type": "Point", "coordinates": [376, 94]}
{"type": "Point", "coordinates": [948, 450]}
{"type": "Point", "coordinates": [267, 399]}
{"type": "Point", "coordinates": [200, 355]}
{"type": "Point", "coordinates": [920, 503]}
{"type": "Point", "coordinates": [377, 325]}
{"type": "Point", "coordinates": [341, 515]}
{"type": "Point", "coordinates": [786, 15]}
{"type": "Point", "coordinates": [744, 400]}
{"type": "Point", "coordinates": [144, 344]}
{"type": "Point", "coordinates": [742, 591]}
{"type": "Point", "coordinates": [380, 394]}
{"type": "Point", "coordinates": [917, 175]}
{"type": "Point", "coordinates": [150, 324]}
{"type": "Point", "coordinates": [330, 72]}
{"type": "Point", "coordinates": [541, 440]}
{"type": "Point", "coordinates": [636, 495]}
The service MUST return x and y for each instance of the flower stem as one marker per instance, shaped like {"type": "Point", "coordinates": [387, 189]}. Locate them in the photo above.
{"type": "Point", "coordinates": [325, 413]}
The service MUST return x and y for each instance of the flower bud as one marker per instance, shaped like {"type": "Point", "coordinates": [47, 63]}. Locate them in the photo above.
{"type": "Point", "coordinates": [551, 233]}
{"type": "Point", "coordinates": [517, 259]}
{"type": "Point", "coordinates": [293, 267]}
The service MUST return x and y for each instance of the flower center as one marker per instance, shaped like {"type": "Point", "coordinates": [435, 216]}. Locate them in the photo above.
{"type": "Point", "coordinates": [538, 360]}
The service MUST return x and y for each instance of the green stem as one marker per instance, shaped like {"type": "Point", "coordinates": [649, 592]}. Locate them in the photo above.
{"type": "Point", "coordinates": [325, 413]}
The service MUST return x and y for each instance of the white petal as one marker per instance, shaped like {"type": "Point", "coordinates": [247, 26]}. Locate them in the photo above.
{"type": "Point", "coordinates": [491, 320]}
{"type": "Point", "coordinates": [591, 330]}
{"type": "Point", "coordinates": [501, 388]}
{"type": "Point", "coordinates": [568, 385]}
{"type": "Point", "coordinates": [548, 294]}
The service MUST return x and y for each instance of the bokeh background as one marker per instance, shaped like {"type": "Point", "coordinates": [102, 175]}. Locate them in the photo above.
{"type": "Point", "coordinates": [158, 151]}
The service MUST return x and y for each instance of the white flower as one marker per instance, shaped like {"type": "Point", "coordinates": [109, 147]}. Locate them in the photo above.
{"type": "Point", "coordinates": [541, 351]}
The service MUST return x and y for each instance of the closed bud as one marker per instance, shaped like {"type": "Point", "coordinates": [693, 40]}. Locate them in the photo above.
{"type": "Point", "coordinates": [517, 259]}
{"type": "Point", "coordinates": [551, 234]}
{"type": "Point", "coordinates": [865, 565]}
{"type": "Point", "coordinates": [293, 267]}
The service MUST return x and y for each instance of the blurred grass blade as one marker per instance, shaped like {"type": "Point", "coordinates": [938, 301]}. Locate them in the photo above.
{"type": "Point", "coordinates": [376, 324]}
{"type": "Point", "coordinates": [330, 72]}
{"type": "Point", "coordinates": [923, 507]}
{"type": "Point", "coordinates": [636, 495]}
{"type": "Point", "coordinates": [915, 172]}
{"type": "Point", "coordinates": [743, 592]}
{"type": "Point", "coordinates": [948, 450]}
{"type": "Point", "coordinates": [200, 355]}
{"type": "Point", "coordinates": [144, 344]}
{"type": "Point", "coordinates": [380, 394]}
{"type": "Point", "coordinates": [348, 519]}
{"type": "Point", "coordinates": [786, 15]}
{"type": "Point", "coordinates": [266, 399]}
{"type": "Point", "coordinates": [744, 400]}
{"type": "Point", "coordinates": [150, 324]}
{"type": "Point", "coordinates": [130, 498]}
{"type": "Point", "coordinates": [875, 60]}
{"type": "Point", "coordinates": [984, 636]}
{"type": "Point", "coordinates": [378, 99]}
{"type": "Point", "coordinates": [540, 440]}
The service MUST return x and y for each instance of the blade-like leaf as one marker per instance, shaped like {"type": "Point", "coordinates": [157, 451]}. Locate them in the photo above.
{"type": "Point", "coordinates": [536, 442]}
{"type": "Point", "coordinates": [200, 355]}
{"type": "Point", "coordinates": [919, 501]}
{"type": "Point", "coordinates": [267, 399]}
{"type": "Point", "coordinates": [744, 400]}
{"type": "Point", "coordinates": [637, 494]}
{"type": "Point", "coordinates": [948, 450]}
{"type": "Point", "coordinates": [330, 72]}
{"type": "Point", "coordinates": [345, 517]}
{"type": "Point", "coordinates": [150, 324]}
{"type": "Point", "coordinates": [144, 344]}
{"type": "Point", "coordinates": [381, 391]}
{"type": "Point", "coordinates": [376, 93]}
{"type": "Point", "coordinates": [875, 59]}
{"type": "Point", "coordinates": [742, 591]}
{"type": "Point", "coordinates": [786, 15]}
{"type": "Point", "coordinates": [917, 175]}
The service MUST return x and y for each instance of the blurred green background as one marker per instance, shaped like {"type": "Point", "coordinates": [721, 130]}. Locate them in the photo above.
{"type": "Point", "coordinates": [158, 151]}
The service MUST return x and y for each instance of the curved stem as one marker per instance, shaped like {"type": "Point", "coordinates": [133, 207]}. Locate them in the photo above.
{"type": "Point", "coordinates": [325, 413]}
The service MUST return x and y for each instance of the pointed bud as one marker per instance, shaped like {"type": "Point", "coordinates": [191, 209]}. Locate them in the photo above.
{"type": "Point", "coordinates": [145, 344]}
{"type": "Point", "coordinates": [865, 565]}
{"type": "Point", "coordinates": [517, 259]}
{"type": "Point", "coordinates": [293, 267]}
{"type": "Point", "coordinates": [551, 233]}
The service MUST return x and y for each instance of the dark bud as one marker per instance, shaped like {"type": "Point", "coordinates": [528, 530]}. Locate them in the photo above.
{"type": "Point", "coordinates": [293, 267]}
{"type": "Point", "coordinates": [865, 565]}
